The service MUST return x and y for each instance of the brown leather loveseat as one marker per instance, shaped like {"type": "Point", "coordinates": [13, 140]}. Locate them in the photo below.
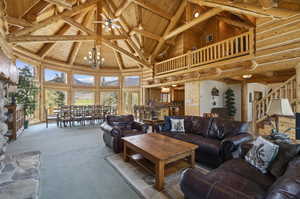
{"type": "Point", "coordinates": [217, 139]}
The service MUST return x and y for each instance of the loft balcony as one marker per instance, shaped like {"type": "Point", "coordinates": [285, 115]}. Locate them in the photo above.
{"type": "Point", "coordinates": [241, 47]}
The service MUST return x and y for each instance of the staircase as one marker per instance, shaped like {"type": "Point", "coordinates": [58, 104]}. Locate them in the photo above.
{"type": "Point", "coordinates": [285, 90]}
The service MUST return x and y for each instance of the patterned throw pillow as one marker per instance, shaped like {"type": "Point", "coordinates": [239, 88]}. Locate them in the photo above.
{"type": "Point", "coordinates": [177, 125]}
{"type": "Point", "coordinates": [262, 154]}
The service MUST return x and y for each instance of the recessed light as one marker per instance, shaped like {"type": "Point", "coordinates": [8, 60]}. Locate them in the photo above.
{"type": "Point", "coordinates": [174, 85]}
{"type": "Point", "coordinates": [196, 14]}
{"type": "Point", "coordinates": [248, 76]}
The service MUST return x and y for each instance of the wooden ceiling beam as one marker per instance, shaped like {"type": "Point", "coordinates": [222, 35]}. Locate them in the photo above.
{"type": "Point", "coordinates": [153, 8]}
{"type": "Point", "coordinates": [201, 18]}
{"type": "Point", "coordinates": [55, 18]}
{"type": "Point", "coordinates": [150, 35]}
{"type": "Point", "coordinates": [170, 27]}
{"type": "Point", "coordinates": [77, 25]}
{"type": "Point", "coordinates": [246, 8]}
{"type": "Point", "coordinates": [268, 4]}
{"type": "Point", "coordinates": [61, 38]}
{"type": "Point", "coordinates": [124, 52]}
{"type": "Point", "coordinates": [61, 3]}
{"type": "Point", "coordinates": [236, 23]}
{"type": "Point", "coordinates": [32, 12]}
{"type": "Point", "coordinates": [76, 46]}
{"type": "Point", "coordinates": [123, 7]}
{"type": "Point", "coordinates": [18, 22]}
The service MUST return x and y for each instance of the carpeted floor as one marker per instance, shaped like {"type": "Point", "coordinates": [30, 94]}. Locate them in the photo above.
{"type": "Point", "coordinates": [73, 164]}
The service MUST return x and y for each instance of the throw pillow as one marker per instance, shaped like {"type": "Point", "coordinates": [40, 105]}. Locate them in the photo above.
{"type": "Point", "coordinates": [177, 125]}
{"type": "Point", "coordinates": [286, 153]}
{"type": "Point", "coordinates": [262, 153]}
{"type": "Point", "coordinates": [216, 132]}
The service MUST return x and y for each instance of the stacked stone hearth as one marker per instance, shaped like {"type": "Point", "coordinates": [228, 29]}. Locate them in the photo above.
{"type": "Point", "coordinates": [3, 127]}
{"type": "Point", "coordinates": [19, 173]}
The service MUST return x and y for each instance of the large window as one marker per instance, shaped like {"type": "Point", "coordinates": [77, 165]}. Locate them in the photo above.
{"type": "Point", "coordinates": [53, 76]}
{"type": "Point", "coordinates": [131, 81]}
{"type": "Point", "coordinates": [109, 81]}
{"type": "Point", "coordinates": [25, 66]}
{"type": "Point", "coordinates": [55, 98]}
{"type": "Point", "coordinates": [109, 98]}
{"type": "Point", "coordinates": [84, 98]}
{"type": "Point", "coordinates": [131, 98]}
{"type": "Point", "coordinates": [83, 80]}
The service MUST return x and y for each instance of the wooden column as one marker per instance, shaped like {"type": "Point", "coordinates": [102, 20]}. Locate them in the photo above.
{"type": "Point", "coordinates": [244, 107]}
{"type": "Point", "coordinates": [192, 98]}
{"type": "Point", "coordinates": [298, 87]}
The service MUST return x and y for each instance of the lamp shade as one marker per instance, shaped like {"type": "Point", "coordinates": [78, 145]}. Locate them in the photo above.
{"type": "Point", "coordinates": [280, 107]}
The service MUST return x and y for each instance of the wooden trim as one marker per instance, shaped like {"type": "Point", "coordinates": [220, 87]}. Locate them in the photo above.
{"type": "Point", "coordinates": [61, 3]}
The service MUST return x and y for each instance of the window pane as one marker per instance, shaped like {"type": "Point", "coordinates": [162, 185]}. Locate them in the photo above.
{"type": "Point", "coordinates": [130, 100]}
{"type": "Point", "coordinates": [84, 98]}
{"type": "Point", "coordinates": [109, 99]}
{"type": "Point", "coordinates": [53, 76]}
{"type": "Point", "coordinates": [24, 66]}
{"type": "Point", "coordinates": [54, 99]}
{"type": "Point", "coordinates": [83, 80]}
{"type": "Point", "coordinates": [131, 81]}
{"type": "Point", "coordinates": [110, 81]}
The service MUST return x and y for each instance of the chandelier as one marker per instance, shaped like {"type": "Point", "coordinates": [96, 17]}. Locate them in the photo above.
{"type": "Point", "coordinates": [94, 58]}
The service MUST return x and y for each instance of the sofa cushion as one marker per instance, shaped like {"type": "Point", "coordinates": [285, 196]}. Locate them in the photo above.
{"type": "Point", "coordinates": [262, 153]}
{"type": "Point", "coordinates": [288, 185]}
{"type": "Point", "coordinates": [231, 128]}
{"type": "Point", "coordinates": [233, 182]}
{"type": "Point", "coordinates": [200, 125]}
{"type": "Point", "coordinates": [111, 119]}
{"type": "Point", "coordinates": [206, 145]}
{"type": "Point", "coordinates": [285, 154]}
{"type": "Point", "coordinates": [242, 168]}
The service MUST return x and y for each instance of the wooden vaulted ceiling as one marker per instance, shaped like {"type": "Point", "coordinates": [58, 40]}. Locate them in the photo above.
{"type": "Point", "coordinates": [146, 28]}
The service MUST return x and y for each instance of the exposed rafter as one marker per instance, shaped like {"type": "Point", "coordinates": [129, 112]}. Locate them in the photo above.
{"type": "Point", "coordinates": [55, 18]}
{"type": "Point", "coordinates": [122, 8]}
{"type": "Point", "coordinates": [18, 22]}
{"type": "Point", "coordinates": [153, 8]}
{"type": "Point", "coordinates": [245, 8]}
{"type": "Point", "coordinates": [267, 4]}
{"type": "Point", "coordinates": [194, 22]}
{"type": "Point", "coordinates": [170, 27]}
{"type": "Point", "coordinates": [235, 22]}
{"type": "Point", "coordinates": [32, 12]}
{"type": "Point", "coordinates": [61, 3]}
{"type": "Point", "coordinates": [149, 35]}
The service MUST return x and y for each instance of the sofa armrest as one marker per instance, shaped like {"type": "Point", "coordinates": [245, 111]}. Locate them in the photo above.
{"type": "Point", "coordinates": [231, 144]}
{"type": "Point", "coordinates": [112, 130]}
{"type": "Point", "coordinates": [195, 185]}
{"type": "Point", "coordinates": [140, 126]}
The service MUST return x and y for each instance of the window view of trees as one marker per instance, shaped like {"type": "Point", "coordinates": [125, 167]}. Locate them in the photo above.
{"type": "Point", "coordinates": [54, 99]}
{"type": "Point", "coordinates": [21, 65]}
{"type": "Point", "coordinates": [84, 98]}
{"type": "Point", "coordinates": [109, 98]}
{"type": "Point", "coordinates": [83, 80]}
{"type": "Point", "coordinates": [130, 81]}
{"type": "Point", "coordinates": [109, 81]}
{"type": "Point", "coordinates": [53, 76]}
{"type": "Point", "coordinates": [131, 98]}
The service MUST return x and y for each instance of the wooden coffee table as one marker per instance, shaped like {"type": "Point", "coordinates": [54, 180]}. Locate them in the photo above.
{"type": "Point", "coordinates": [159, 154]}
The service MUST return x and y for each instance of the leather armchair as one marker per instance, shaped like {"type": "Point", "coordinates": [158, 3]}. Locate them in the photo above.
{"type": "Point", "coordinates": [116, 127]}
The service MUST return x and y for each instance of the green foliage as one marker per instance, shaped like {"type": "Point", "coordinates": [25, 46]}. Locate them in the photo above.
{"type": "Point", "coordinates": [230, 102]}
{"type": "Point", "coordinates": [59, 98]}
{"type": "Point", "coordinates": [27, 91]}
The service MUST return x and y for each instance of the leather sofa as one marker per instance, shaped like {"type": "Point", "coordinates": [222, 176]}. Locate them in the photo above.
{"type": "Point", "coordinates": [116, 127]}
{"type": "Point", "coordinates": [217, 139]}
{"type": "Point", "coordinates": [236, 179]}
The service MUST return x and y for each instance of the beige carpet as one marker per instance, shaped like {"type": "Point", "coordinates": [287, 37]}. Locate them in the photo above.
{"type": "Point", "coordinates": [143, 181]}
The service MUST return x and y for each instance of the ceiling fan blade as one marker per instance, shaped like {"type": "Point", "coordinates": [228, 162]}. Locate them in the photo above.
{"type": "Point", "coordinates": [116, 26]}
{"type": "Point", "coordinates": [114, 20]}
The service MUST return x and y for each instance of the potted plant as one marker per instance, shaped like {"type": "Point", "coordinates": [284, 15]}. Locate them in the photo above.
{"type": "Point", "coordinates": [230, 103]}
{"type": "Point", "coordinates": [26, 94]}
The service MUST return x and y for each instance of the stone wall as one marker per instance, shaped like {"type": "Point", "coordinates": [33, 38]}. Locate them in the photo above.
{"type": "Point", "coordinates": [3, 126]}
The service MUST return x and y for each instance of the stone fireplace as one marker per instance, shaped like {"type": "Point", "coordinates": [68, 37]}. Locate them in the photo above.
{"type": "Point", "coordinates": [3, 126]}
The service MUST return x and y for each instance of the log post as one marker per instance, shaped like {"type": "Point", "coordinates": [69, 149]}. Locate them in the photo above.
{"type": "Point", "coordinates": [298, 88]}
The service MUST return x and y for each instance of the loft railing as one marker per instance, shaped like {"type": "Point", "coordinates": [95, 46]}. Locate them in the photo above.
{"type": "Point", "coordinates": [227, 49]}
{"type": "Point", "coordinates": [286, 90]}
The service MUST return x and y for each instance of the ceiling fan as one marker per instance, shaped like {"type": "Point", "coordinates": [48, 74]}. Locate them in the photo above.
{"type": "Point", "coordinates": [108, 24]}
